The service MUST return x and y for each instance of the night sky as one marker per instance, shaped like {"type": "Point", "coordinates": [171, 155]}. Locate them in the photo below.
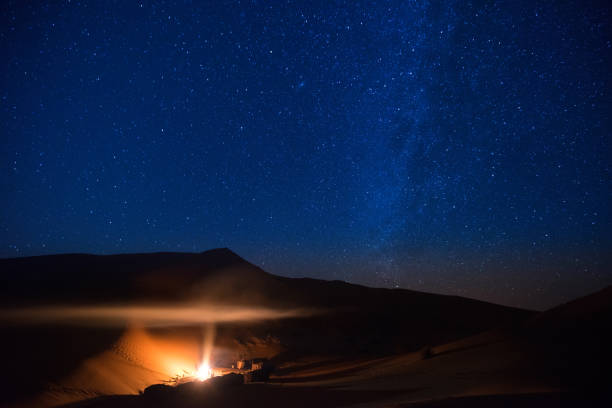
{"type": "Point", "coordinates": [453, 147]}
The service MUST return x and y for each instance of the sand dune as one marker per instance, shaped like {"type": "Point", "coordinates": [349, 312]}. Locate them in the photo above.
{"type": "Point", "coordinates": [332, 343]}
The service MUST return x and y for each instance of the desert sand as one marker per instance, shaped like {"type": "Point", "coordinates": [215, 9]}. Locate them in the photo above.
{"type": "Point", "coordinates": [96, 331]}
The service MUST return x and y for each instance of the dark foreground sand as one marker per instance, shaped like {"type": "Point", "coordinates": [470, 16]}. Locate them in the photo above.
{"type": "Point", "coordinates": [270, 396]}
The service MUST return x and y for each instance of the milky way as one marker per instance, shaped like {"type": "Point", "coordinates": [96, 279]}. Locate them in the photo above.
{"type": "Point", "coordinates": [454, 147]}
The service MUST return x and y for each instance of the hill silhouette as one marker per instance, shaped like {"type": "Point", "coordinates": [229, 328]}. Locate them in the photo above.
{"type": "Point", "coordinates": [343, 327]}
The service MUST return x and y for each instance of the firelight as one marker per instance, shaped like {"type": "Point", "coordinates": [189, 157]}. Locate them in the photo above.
{"type": "Point", "coordinates": [204, 372]}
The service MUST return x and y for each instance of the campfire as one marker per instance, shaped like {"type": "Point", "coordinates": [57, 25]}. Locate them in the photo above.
{"type": "Point", "coordinates": [204, 372]}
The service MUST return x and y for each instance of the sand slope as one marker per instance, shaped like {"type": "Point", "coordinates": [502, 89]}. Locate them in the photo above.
{"type": "Point", "coordinates": [363, 344]}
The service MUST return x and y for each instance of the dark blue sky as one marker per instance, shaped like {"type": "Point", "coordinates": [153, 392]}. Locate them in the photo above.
{"type": "Point", "coordinates": [454, 147]}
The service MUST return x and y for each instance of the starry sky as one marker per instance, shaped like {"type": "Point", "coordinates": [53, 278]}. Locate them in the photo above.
{"type": "Point", "coordinates": [452, 147]}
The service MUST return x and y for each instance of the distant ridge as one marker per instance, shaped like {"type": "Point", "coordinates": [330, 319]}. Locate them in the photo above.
{"type": "Point", "coordinates": [218, 272]}
{"type": "Point", "coordinates": [221, 276]}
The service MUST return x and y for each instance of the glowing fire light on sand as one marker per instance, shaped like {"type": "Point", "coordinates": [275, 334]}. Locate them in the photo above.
{"type": "Point", "coordinates": [204, 372]}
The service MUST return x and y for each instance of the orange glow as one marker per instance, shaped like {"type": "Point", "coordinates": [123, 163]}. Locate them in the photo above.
{"type": "Point", "coordinates": [204, 372]}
